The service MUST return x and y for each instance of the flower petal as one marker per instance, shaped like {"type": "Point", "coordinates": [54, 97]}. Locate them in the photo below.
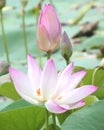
{"type": "Point", "coordinates": [77, 105]}
{"type": "Point", "coordinates": [23, 85]}
{"type": "Point", "coordinates": [34, 71]}
{"type": "Point", "coordinates": [77, 94]}
{"type": "Point", "coordinates": [49, 79]}
{"type": "Point", "coordinates": [74, 105]}
{"type": "Point", "coordinates": [29, 99]}
{"type": "Point", "coordinates": [43, 40]}
{"type": "Point", "coordinates": [51, 22]}
{"type": "Point", "coordinates": [67, 71]}
{"type": "Point", "coordinates": [66, 86]}
{"type": "Point", "coordinates": [74, 81]}
{"type": "Point", "coordinates": [54, 107]}
{"type": "Point", "coordinates": [64, 77]}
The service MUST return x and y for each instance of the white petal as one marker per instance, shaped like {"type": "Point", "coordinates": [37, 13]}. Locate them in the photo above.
{"type": "Point", "coordinates": [74, 81]}
{"type": "Point", "coordinates": [71, 83]}
{"type": "Point", "coordinates": [22, 84]}
{"type": "Point", "coordinates": [54, 107]}
{"type": "Point", "coordinates": [77, 94]}
{"type": "Point", "coordinates": [67, 71]}
{"type": "Point", "coordinates": [63, 79]}
{"type": "Point", "coordinates": [34, 71]}
{"type": "Point", "coordinates": [29, 99]}
{"type": "Point", "coordinates": [49, 79]}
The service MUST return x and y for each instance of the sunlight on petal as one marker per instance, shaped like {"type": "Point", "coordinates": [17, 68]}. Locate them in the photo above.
{"type": "Point", "coordinates": [34, 71]}
{"type": "Point", "coordinates": [49, 79]}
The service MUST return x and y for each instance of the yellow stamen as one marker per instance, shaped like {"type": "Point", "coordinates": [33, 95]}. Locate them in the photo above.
{"type": "Point", "coordinates": [59, 97]}
{"type": "Point", "coordinates": [38, 92]}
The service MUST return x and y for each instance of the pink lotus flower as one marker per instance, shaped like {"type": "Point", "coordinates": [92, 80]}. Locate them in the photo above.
{"type": "Point", "coordinates": [49, 29]}
{"type": "Point", "coordinates": [57, 91]}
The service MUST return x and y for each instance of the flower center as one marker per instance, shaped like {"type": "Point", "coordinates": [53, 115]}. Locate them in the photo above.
{"type": "Point", "coordinates": [59, 98]}
{"type": "Point", "coordinates": [38, 92]}
{"type": "Point", "coordinates": [39, 95]}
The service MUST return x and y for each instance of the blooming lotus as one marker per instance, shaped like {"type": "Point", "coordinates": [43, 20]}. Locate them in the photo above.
{"type": "Point", "coordinates": [49, 29]}
{"type": "Point", "coordinates": [56, 91]}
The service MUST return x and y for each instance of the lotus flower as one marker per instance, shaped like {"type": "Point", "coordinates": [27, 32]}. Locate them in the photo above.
{"type": "Point", "coordinates": [49, 29]}
{"type": "Point", "coordinates": [56, 91]}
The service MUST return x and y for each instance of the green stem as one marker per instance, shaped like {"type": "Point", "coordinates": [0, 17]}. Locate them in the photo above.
{"type": "Point", "coordinates": [48, 55]}
{"type": "Point", "coordinates": [24, 32]}
{"type": "Point", "coordinates": [40, 57]}
{"type": "Point", "coordinates": [4, 37]}
{"type": "Point", "coordinates": [47, 120]}
{"type": "Point", "coordinates": [51, 1]}
{"type": "Point", "coordinates": [67, 61]}
{"type": "Point", "coordinates": [54, 121]}
{"type": "Point", "coordinates": [93, 75]}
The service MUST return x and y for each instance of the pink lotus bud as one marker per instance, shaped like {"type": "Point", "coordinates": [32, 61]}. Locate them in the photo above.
{"type": "Point", "coordinates": [49, 29]}
{"type": "Point", "coordinates": [65, 46]}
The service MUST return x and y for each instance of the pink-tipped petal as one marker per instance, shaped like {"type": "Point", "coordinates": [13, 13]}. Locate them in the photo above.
{"type": "Point", "coordinates": [34, 71]}
{"type": "Point", "coordinates": [54, 107]}
{"type": "Point", "coordinates": [43, 40]}
{"type": "Point", "coordinates": [74, 80]}
{"type": "Point", "coordinates": [67, 71]}
{"type": "Point", "coordinates": [22, 83]}
{"type": "Point", "coordinates": [49, 79]}
{"type": "Point", "coordinates": [77, 105]}
{"type": "Point", "coordinates": [74, 105]}
{"type": "Point", "coordinates": [63, 79]}
{"type": "Point", "coordinates": [78, 94]}
{"type": "Point", "coordinates": [71, 83]}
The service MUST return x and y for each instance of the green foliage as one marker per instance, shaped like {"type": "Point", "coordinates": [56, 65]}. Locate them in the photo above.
{"type": "Point", "coordinates": [8, 90]}
{"type": "Point", "coordinates": [5, 104]}
{"type": "Point", "coordinates": [88, 118]}
{"type": "Point", "coordinates": [95, 41]}
{"type": "Point", "coordinates": [99, 81]}
{"type": "Point", "coordinates": [21, 115]}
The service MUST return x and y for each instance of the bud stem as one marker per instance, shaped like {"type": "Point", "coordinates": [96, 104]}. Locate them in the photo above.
{"type": "Point", "coordinates": [67, 61]}
{"type": "Point", "coordinates": [93, 75]}
{"type": "Point", "coordinates": [4, 37]}
{"type": "Point", "coordinates": [40, 57]}
{"type": "Point", "coordinates": [48, 55]}
{"type": "Point", "coordinates": [24, 32]}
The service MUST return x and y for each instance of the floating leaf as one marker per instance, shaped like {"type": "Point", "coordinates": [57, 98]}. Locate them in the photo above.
{"type": "Point", "coordinates": [88, 118]}
{"type": "Point", "coordinates": [22, 116]}
{"type": "Point", "coordinates": [8, 90]}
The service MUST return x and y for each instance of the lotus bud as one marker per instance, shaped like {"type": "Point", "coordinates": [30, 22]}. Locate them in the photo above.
{"type": "Point", "coordinates": [49, 29]}
{"type": "Point", "coordinates": [2, 3]}
{"type": "Point", "coordinates": [66, 47]}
